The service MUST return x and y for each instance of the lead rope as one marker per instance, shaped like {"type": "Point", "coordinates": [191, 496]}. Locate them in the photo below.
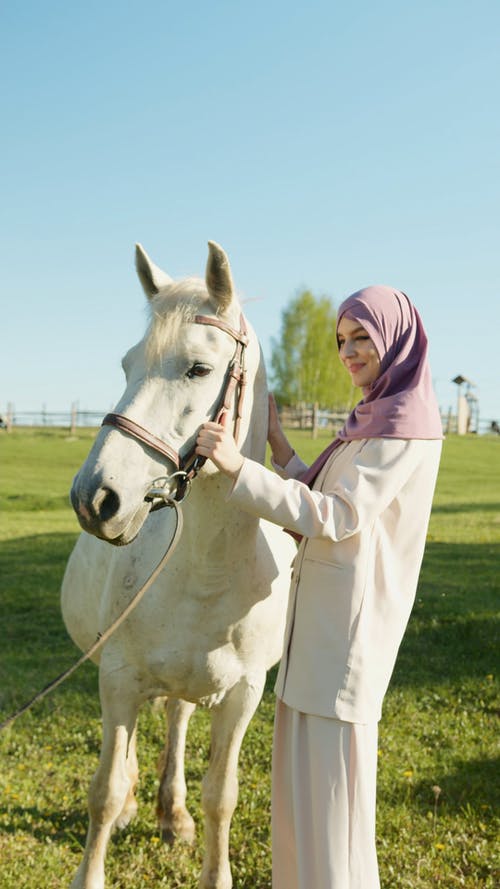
{"type": "Point", "coordinates": [103, 637]}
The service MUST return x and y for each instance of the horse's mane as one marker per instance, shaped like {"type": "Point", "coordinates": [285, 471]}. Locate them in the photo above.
{"type": "Point", "coordinates": [171, 309]}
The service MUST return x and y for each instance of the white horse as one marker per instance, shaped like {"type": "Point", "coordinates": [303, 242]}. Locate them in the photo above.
{"type": "Point", "coordinates": [212, 623]}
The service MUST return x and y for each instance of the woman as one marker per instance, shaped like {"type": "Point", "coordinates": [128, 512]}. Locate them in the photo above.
{"type": "Point", "coordinates": [361, 512]}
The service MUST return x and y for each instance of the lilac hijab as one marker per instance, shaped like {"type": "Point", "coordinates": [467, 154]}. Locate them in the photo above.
{"type": "Point", "coordinates": [401, 402]}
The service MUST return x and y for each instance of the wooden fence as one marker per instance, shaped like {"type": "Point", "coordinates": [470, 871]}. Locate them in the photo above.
{"type": "Point", "coordinates": [64, 419]}
{"type": "Point", "coordinates": [308, 417]}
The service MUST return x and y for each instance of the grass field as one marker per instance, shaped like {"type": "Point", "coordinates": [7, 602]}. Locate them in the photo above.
{"type": "Point", "coordinates": [438, 757]}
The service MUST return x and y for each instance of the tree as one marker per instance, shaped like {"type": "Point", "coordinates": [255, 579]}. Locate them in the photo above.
{"type": "Point", "coordinates": [304, 361]}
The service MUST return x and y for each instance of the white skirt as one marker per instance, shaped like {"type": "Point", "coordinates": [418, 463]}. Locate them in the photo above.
{"type": "Point", "coordinates": [323, 802]}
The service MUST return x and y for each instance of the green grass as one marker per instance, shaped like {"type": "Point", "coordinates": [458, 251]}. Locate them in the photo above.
{"type": "Point", "coordinates": [438, 728]}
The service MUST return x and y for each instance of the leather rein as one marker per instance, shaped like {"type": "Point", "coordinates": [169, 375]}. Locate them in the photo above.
{"type": "Point", "coordinates": [187, 467]}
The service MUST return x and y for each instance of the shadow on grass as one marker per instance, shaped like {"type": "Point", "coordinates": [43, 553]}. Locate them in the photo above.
{"type": "Point", "coordinates": [35, 646]}
{"type": "Point", "coordinates": [64, 826]}
{"type": "Point", "coordinates": [67, 826]}
{"type": "Point", "coordinates": [467, 784]}
{"type": "Point", "coordinates": [454, 629]}
{"type": "Point", "coordinates": [473, 782]}
{"type": "Point", "coordinates": [471, 506]}
{"type": "Point", "coordinates": [453, 632]}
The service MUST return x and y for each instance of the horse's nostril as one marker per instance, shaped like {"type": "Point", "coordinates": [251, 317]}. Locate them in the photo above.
{"type": "Point", "coordinates": [106, 504]}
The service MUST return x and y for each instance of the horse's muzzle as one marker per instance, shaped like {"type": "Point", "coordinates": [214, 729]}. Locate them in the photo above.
{"type": "Point", "coordinates": [99, 512]}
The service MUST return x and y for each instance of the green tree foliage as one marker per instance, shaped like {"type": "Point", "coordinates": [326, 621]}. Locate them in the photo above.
{"type": "Point", "coordinates": [304, 361]}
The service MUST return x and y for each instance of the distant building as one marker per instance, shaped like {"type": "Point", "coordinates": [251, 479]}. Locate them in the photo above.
{"type": "Point", "coordinates": [467, 406]}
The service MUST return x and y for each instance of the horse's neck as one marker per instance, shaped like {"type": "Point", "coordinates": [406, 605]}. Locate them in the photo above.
{"type": "Point", "coordinates": [214, 528]}
{"type": "Point", "coordinates": [253, 441]}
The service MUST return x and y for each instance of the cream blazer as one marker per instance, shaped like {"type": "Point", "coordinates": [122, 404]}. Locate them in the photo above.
{"type": "Point", "coordinates": [355, 574]}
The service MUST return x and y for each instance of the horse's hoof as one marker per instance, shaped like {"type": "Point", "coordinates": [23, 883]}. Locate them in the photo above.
{"type": "Point", "coordinates": [181, 829]}
{"type": "Point", "coordinates": [167, 836]}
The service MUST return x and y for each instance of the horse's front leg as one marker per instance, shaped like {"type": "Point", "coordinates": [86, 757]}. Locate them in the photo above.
{"type": "Point", "coordinates": [220, 785]}
{"type": "Point", "coordinates": [130, 805]}
{"type": "Point", "coordinates": [173, 817]}
{"type": "Point", "coordinates": [111, 783]}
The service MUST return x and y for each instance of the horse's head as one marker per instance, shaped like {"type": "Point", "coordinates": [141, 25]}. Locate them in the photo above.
{"type": "Point", "coordinates": [175, 376]}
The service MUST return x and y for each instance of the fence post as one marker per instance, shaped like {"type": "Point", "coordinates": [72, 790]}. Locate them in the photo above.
{"type": "Point", "coordinates": [9, 417]}
{"type": "Point", "coordinates": [314, 429]}
{"type": "Point", "coordinates": [447, 425]}
{"type": "Point", "coordinates": [302, 420]}
{"type": "Point", "coordinates": [72, 430]}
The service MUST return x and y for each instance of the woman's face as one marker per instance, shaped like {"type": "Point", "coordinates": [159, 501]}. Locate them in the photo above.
{"type": "Point", "coordinates": [358, 353]}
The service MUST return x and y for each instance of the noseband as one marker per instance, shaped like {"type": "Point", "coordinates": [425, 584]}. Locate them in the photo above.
{"type": "Point", "coordinates": [177, 485]}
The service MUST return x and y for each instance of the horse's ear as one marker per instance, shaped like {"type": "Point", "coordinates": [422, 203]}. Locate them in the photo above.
{"type": "Point", "coordinates": [151, 277]}
{"type": "Point", "coordinates": [218, 276]}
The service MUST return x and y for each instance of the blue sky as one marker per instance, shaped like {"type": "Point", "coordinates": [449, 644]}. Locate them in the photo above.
{"type": "Point", "coordinates": [323, 145]}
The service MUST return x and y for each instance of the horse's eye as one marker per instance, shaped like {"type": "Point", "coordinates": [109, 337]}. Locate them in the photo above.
{"type": "Point", "coordinates": [198, 370]}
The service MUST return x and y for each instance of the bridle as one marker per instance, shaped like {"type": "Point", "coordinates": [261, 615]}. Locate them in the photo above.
{"type": "Point", "coordinates": [177, 485]}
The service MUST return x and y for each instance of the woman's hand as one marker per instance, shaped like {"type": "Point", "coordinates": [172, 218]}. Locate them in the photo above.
{"type": "Point", "coordinates": [216, 442]}
{"type": "Point", "coordinates": [280, 446]}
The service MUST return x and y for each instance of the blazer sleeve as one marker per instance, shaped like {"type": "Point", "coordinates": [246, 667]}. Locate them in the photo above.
{"type": "Point", "coordinates": [293, 469]}
{"type": "Point", "coordinates": [349, 502]}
